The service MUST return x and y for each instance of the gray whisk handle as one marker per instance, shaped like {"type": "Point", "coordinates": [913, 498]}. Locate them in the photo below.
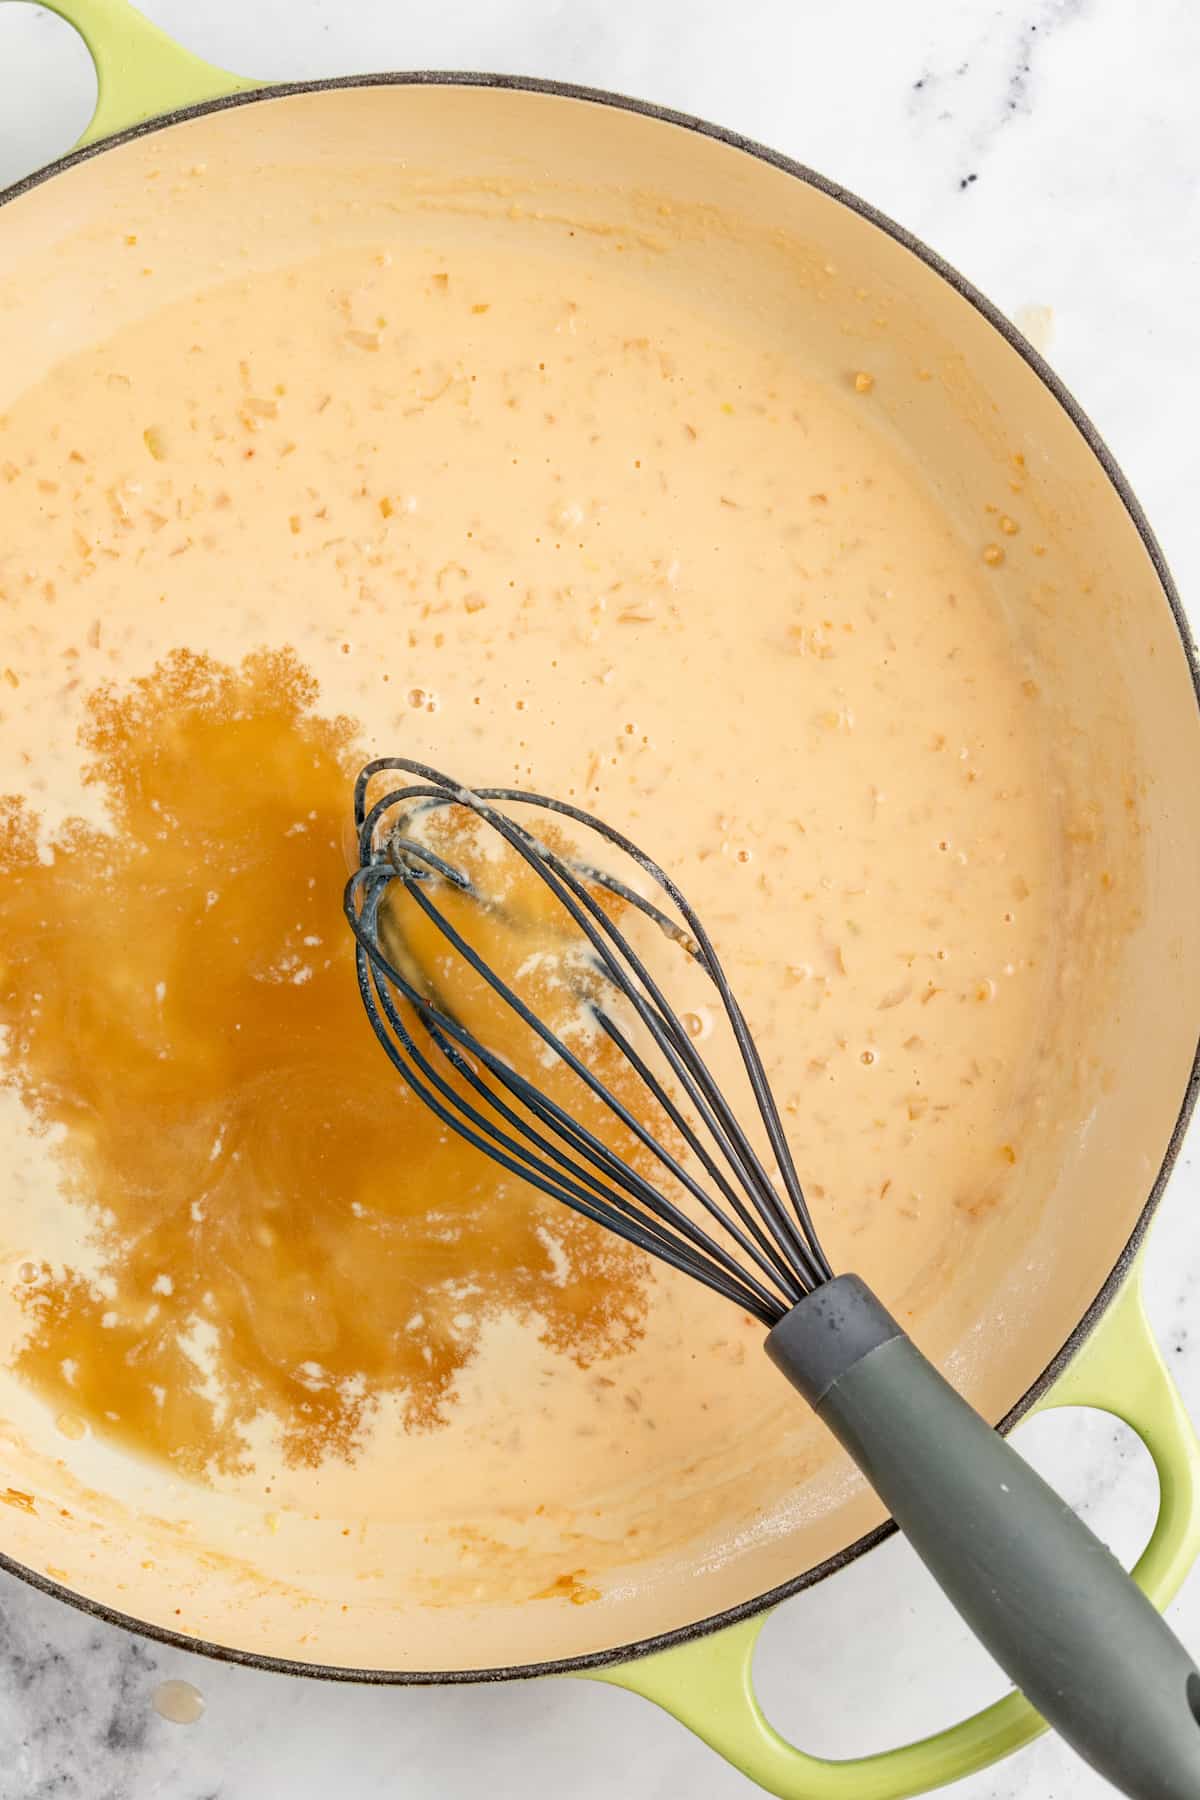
{"type": "Point", "coordinates": [1041, 1592]}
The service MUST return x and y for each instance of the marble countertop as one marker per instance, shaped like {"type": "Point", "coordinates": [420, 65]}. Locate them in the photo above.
{"type": "Point", "coordinates": [1049, 149]}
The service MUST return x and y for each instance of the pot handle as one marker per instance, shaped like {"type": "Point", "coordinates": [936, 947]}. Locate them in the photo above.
{"type": "Point", "coordinates": [141, 72]}
{"type": "Point", "coordinates": [708, 1684]}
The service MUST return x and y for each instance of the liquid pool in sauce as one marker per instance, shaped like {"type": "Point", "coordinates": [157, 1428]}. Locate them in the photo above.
{"type": "Point", "coordinates": [283, 1228]}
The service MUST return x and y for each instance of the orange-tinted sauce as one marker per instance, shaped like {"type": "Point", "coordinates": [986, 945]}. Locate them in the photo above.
{"type": "Point", "coordinates": [536, 512]}
{"type": "Point", "coordinates": [280, 1226]}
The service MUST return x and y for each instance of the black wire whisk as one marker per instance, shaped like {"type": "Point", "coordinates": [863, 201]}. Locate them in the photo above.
{"type": "Point", "coordinates": [1043, 1594]}
{"type": "Point", "coordinates": [539, 1141]}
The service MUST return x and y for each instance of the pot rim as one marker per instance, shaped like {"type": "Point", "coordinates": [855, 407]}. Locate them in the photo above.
{"type": "Point", "coordinates": [683, 1634]}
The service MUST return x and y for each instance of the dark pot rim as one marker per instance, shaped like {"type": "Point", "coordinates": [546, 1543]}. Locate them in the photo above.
{"type": "Point", "coordinates": [600, 1659]}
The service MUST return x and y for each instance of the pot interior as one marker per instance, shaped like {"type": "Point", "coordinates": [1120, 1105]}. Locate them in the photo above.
{"type": "Point", "coordinates": [528, 425]}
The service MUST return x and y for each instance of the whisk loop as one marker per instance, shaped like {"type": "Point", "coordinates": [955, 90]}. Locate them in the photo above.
{"type": "Point", "coordinates": [512, 1119]}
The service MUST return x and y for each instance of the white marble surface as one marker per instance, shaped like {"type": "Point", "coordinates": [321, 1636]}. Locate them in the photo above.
{"type": "Point", "coordinates": [1049, 149]}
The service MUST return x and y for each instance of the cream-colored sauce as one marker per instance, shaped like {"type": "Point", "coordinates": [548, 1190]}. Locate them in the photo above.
{"type": "Point", "coordinates": [557, 529]}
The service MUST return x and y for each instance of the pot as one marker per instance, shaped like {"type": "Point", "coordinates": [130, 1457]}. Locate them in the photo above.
{"type": "Point", "coordinates": [1045, 1311]}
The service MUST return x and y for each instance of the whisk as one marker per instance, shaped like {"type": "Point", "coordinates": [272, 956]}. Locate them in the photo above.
{"type": "Point", "coordinates": [1042, 1593]}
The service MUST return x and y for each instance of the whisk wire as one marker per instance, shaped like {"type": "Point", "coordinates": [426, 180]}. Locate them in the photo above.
{"type": "Point", "coordinates": [537, 1138]}
{"type": "Point", "coordinates": [543, 860]}
{"type": "Point", "coordinates": [549, 1111]}
{"type": "Point", "coordinates": [633, 1226]}
{"type": "Point", "coordinates": [737, 1282]}
{"type": "Point", "coordinates": [676, 1044]}
{"type": "Point", "coordinates": [697, 1145]}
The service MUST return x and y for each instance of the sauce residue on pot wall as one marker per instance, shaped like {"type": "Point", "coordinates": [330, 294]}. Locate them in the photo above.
{"type": "Point", "coordinates": [280, 1227]}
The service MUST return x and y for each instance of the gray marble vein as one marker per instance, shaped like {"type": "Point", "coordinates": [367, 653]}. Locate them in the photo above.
{"type": "Point", "coordinates": [973, 89]}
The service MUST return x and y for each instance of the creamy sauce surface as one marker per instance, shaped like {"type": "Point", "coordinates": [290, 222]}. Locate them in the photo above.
{"type": "Point", "coordinates": [534, 528]}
